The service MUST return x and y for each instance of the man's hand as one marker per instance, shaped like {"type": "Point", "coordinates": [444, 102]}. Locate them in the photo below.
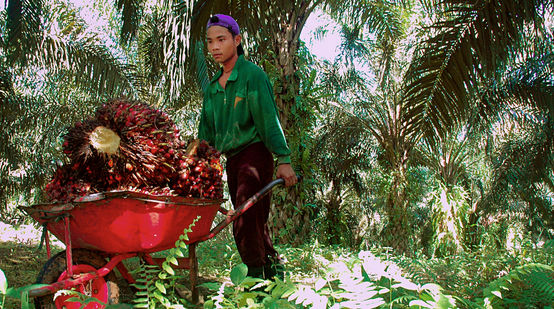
{"type": "Point", "coordinates": [286, 172]}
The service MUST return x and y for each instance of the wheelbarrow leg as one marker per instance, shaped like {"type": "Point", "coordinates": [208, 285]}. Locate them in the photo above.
{"type": "Point", "coordinates": [193, 272]}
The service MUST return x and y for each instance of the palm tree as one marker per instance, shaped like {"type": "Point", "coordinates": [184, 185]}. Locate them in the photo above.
{"type": "Point", "coordinates": [342, 155]}
{"type": "Point", "coordinates": [452, 161]}
{"type": "Point", "coordinates": [462, 51]}
{"type": "Point", "coordinates": [61, 44]}
{"type": "Point", "coordinates": [380, 112]}
{"type": "Point", "coordinates": [522, 162]}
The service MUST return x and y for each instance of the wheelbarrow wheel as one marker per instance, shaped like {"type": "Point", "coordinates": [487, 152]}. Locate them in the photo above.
{"type": "Point", "coordinates": [84, 260]}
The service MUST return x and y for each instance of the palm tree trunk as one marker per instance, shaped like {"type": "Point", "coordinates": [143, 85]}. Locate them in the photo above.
{"type": "Point", "coordinates": [291, 213]}
{"type": "Point", "coordinates": [397, 233]}
{"type": "Point", "coordinates": [333, 222]}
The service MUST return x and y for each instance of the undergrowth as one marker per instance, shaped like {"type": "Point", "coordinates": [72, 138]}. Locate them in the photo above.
{"type": "Point", "coordinates": [319, 276]}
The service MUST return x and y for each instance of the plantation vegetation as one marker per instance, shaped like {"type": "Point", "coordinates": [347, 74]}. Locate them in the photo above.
{"type": "Point", "coordinates": [426, 148]}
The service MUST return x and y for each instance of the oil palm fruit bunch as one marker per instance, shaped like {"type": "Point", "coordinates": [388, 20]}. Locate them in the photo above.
{"type": "Point", "coordinates": [128, 145]}
{"type": "Point", "coordinates": [200, 171]}
{"type": "Point", "coordinates": [67, 185]}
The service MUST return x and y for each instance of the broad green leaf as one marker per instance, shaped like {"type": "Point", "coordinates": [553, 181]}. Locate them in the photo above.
{"type": "Point", "coordinates": [446, 302]}
{"type": "Point", "coordinates": [288, 292]}
{"type": "Point", "coordinates": [152, 271]}
{"type": "Point", "coordinates": [246, 299]}
{"type": "Point", "coordinates": [426, 296]}
{"type": "Point", "coordinates": [249, 281]}
{"type": "Point", "coordinates": [406, 285]}
{"type": "Point", "coordinates": [238, 274]}
{"type": "Point", "coordinates": [160, 286]}
{"type": "Point", "coordinates": [178, 252]}
{"type": "Point", "coordinates": [209, 304]}
{"type": "Point", "coordinates": [168, 268]}
{"type": "Point", "coordinates": [140, 300]}
{"type": "Point", "coordinates": [172, 260]}
{"type": "Point", "coordinates": [278, 291]}
{"type": "Point", "coordinates": [214, 286]}
{"type": "Point", "coordinates": [384, 291]}
{"type": "Point", "coordinates": [3, 283]}
{"type": "Point", "coordinates": [24, 300]}
{"type": "Point", "coordinates": [320, 283]}
{"type": "Point", "coordinates": [420, 303]}
{"type": "Point", "coordinates": [18, 292]}
{"type": "Point", "coordinates": [431, 287]}
{"type": "Point", "coordinates": [158, 296]}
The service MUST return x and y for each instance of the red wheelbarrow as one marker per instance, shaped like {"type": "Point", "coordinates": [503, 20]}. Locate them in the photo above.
{"type": "Point", "coordinates": [101, 230]}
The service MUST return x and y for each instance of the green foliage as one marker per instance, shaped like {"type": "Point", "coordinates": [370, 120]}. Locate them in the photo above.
{"type": "Point", "coordinates": [476, 278]}
{"type": "Point", "coordinates": [3, 287]}
{"type": "Point", "coordinates": [156, 287]}
{"type": "Point", "coordinates": [368, 282]}
{"type": "Point", "coordinates": [359, 282]}
{"type": "Point", "coordinates": [248, 292]}
{"type": "Point", "coordinates": [21, 293]}
{"type": "Point", "coordinates": [450, 211]}
{"type": "Point", "coordinates": [527, 286]}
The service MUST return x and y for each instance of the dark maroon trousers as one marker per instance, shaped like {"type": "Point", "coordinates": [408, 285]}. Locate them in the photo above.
{"type": "Point", "coordinates": [248, 172]}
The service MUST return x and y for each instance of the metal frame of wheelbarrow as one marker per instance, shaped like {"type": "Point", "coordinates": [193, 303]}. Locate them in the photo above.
{"type": "Point", "coordinates": [115, 260]}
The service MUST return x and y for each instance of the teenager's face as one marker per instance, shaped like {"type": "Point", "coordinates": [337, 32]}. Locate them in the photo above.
{"type": "Point", "coordinates": [221, 44]}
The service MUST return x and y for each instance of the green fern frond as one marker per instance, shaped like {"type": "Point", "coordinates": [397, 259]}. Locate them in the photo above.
{"type": "Point", "coordinates": [530, 284]}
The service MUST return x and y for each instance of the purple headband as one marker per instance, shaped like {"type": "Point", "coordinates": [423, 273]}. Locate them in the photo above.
{"type": "Point", "coordinates": [225, 21]}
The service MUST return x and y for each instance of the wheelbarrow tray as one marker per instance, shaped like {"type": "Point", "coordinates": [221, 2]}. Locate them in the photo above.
{"type": "Point", "coordinates": [127, 222]}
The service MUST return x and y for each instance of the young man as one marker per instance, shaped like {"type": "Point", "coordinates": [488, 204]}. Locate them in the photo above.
{"type": "Point", "coordinates": [239, 118]}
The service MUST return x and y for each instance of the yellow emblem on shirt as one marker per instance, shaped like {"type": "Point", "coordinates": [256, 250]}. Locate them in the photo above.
{"type": "Point", "coordinates": [237, 99]}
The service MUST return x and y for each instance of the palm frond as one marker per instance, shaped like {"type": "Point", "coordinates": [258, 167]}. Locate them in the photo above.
{"type": "Point", "coordinates": [70, 51]}
{"type": "Point", "coordinates": [27, 154]}
{"type": "Point", "coordinates": [24, 28]}
{"type": "Point", "coordinates": [470, 43]}
{"type": "Point", "coordinates": [381, 17]}
{"type": "Point", "coordinates": [521, 170]}
{"type": "Point", "coordinates": [342, 150]}
{"type": "Point", "coordinates": [360, 18]}
{"type": "Point", "coordinates": [529, 83]}
{"type": "Point", "coordinates": [131, 13]}
{"type": "Point", "coordinates": [353, 46]}
{"type": "Point", "coordinates": [91, 65]}
{"type": "Point", "coordinates": [447, 156]}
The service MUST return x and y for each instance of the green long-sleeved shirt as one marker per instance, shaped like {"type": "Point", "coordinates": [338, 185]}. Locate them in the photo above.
{"type": "Point", "coordinates": [243, 113]}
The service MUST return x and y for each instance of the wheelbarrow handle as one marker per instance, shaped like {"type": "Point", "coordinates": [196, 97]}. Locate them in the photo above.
{"type": "Point", "coordinates": [233, 215]}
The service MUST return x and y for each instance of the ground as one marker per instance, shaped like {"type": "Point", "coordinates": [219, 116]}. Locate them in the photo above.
{"type": "Point", "coordinates": [21, 261]}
